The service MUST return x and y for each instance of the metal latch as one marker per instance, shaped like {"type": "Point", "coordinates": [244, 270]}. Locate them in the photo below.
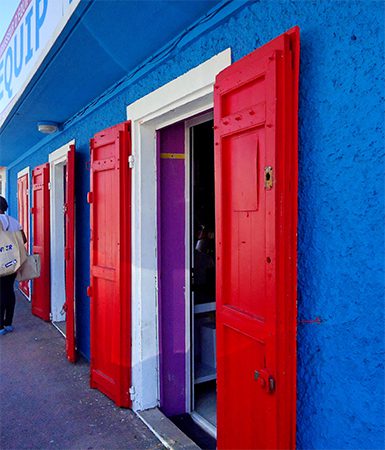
{"type": "Point", "coordinates": [265, 380]}
{"type": "Point", "coordinates": [132, 392]}
{"type": "Point", "coordinates": [268, 178]}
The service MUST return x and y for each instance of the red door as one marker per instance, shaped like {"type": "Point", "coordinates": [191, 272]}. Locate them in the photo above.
{"type": "Point", "coordinates": [41, 236]}
{"type": "Point", "coordinates": [23, 214]}
{"type": "Point", "coordinates": [110, 289]}
{"type": "Point", "coordinates": [70, 254]}
{"type": "Point", "coordinates": [255, 110]}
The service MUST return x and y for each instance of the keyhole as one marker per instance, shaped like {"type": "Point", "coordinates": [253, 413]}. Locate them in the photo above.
{"type": "Point", "coordinates": [268, 177]}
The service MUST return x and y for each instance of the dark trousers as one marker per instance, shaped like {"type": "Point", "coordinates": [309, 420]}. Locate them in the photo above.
{"type": "Point", "coordinates": [7, 300]}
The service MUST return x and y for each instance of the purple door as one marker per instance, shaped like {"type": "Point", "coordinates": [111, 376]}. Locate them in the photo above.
{"type": "Point", "coordinates": [171, 268]}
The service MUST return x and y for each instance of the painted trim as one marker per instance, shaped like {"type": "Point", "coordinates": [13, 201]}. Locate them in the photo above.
{"type": "Point", "coordinates": [171, 156]}
{"type": "Point", "coordinates": [60, 152]}
{"type": "Point", "coordinates": [3, 173]}
{"type": "Point", "coordinates": [56, 158]}
{"type": "Point", "coordinates": [190, 94]}
{"type": "Point", "coordinates": [194, 84]}
{"type": "Point", "coordinates": [23, 172]}
{"type": "Point", "coordinates": [189, 334]}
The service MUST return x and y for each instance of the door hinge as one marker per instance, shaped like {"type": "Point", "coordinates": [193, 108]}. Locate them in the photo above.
{"type": "Point", "coordinates": [131, 161]}
{"type": "Point", "coordinates": [49, 186]}
{"type": "Point", "coordinates": [50, 316]}
{"type": "Point", "coordinates": [132, 392]}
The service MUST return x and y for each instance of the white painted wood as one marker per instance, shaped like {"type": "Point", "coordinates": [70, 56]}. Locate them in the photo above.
{"type": "Point", "coordinates": [22, 173]}
{"type": "Point", "coordinates": [190, 319]}
{"type": "Point", "coordinates": [190, 86]}
{"type": "Point", "coordinates": [3, 178]}
{"type": "Point", "coordinates": [61, 153]}
{"type": "Point", "coordinates": [57, 160]}
{"type": "Point", "coordinates": [184, 97]}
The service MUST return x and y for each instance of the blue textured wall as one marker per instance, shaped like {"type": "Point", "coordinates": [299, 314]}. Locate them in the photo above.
{"type": "Point", "coordinates": [341, 202]}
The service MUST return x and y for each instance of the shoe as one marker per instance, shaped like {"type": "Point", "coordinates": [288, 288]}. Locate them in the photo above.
{"type": "Point", "coordinates": [8, 328]}
{"type": "Point", "coordinates": [3, 331]}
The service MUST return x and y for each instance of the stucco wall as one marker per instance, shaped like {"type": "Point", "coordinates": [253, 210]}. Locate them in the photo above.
{"type": "Point", "coordinates": [341, 202]}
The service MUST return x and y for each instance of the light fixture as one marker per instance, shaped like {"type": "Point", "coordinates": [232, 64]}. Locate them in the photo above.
{"type": "Point", "coordinates": [47, 127]}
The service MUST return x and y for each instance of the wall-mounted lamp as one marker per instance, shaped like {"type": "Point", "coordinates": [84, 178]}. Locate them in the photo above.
{"type": "Point", "coordinates": [47, 127]}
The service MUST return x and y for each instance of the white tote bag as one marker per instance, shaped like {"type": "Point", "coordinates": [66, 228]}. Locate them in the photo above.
{"type": "Point", "coordinates": [30, 269]}
{"type": "Point", "coordinates": [12, 252]}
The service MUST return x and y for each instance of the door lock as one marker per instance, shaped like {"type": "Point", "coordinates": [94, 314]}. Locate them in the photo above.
{"type": "Point", "coordinates": [265, 380]}
{"type": "Point", "coordinates": [268, 178]}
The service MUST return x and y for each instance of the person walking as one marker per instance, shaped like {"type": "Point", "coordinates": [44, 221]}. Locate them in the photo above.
{"type": "Point", "coordinates": [7, 293]}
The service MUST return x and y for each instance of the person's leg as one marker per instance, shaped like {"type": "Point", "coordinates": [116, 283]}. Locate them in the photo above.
{"type": "Point", "coordinates": [10, 305]}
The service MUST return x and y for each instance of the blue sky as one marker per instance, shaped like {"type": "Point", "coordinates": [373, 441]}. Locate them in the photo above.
{"type": "Point", "coordinates": [7, 10]}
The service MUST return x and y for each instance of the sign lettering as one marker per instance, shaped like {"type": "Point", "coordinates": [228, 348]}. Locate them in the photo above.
{"type": "Point", "coordinates": [29, 32]}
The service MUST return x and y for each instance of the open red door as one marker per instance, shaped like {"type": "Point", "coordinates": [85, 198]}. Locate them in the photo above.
{"type": "Point", "coordinates": [70, 255]}
{"type": "Point", "coordinates": [110, 289]}
{"type": "Point", "coordinates": [23, 214]}
{"type": "Point", "coordinates": [255, 115]}
{"type": "Point", "coordinates": [41, 235]}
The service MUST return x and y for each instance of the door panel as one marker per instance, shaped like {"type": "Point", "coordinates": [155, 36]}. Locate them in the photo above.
{"type": "Point", "coordinates": [255, 125]}
{"type": "Point", "coordinates": [70, 255]}
{"type": "Point", "coordinates": [171, 263]}
{"type": "Point", "coordinates": [23, 214]}
{"type": "Point", "coordinates": [41, 240]}
{"type": "Point", "coordinates": [110, 289]}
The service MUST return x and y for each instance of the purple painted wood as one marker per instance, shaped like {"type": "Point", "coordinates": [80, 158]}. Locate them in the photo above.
{"type": "Point", "coordinates": [171, 269]}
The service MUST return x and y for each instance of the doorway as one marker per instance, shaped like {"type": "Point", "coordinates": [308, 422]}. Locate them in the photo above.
{"type": "Point", "coordinates": [58, 239]}
{"type": "Point", "coordinates": [186, 267]}
{"type": "Point", "coordinates": [255, 108]}
{"type": "Point", "coordinates": [202, 269]}
{"type": "Point", "coordinates": [23, 209]}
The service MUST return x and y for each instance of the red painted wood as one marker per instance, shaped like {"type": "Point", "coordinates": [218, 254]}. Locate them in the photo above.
{"type": "Point", "coordinates": [23, 215]}
{"type": "Point", "coordinates": [41, 240]}
{"type": "Point", "coordinates": [110, 289]}
{"type": "Point", "coordinates": [70, 255]}
{"type": "Point", "coordinates": [255, 116]}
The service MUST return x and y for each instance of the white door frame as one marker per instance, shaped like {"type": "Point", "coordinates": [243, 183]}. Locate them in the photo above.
{"type": "Point", "coordinates": [188, 240]}
{"type": "Point", "coordinates": [3, 176]}
{"type": "Point", "coordinates": [57, 232]}
{"type": "Point", "coordinates": [22, 173]}
{"type": "Point", "coordinates": [184, 97]}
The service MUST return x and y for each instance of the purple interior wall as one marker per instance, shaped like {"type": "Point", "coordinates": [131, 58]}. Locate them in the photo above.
{"type": "Point", "coordinates": [171, 267]}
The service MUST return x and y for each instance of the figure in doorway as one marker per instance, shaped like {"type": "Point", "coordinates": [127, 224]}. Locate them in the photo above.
{"type": "Point", "coordinates": [7, 293]}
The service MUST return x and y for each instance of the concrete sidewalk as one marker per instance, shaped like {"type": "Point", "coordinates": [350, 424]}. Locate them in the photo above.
{"type": "Point", "coordinates": [46, 402]}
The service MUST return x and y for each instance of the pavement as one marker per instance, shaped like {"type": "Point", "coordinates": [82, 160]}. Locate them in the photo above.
{"type": "Point", "coordinates": [46, 402]}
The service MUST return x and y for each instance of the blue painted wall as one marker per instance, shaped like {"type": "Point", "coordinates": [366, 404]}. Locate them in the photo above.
{"type": "Point", "coordinates": [341, 201]}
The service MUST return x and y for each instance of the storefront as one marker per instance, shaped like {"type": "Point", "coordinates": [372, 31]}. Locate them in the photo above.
{"type": "Point", "coordinates": [164, 208]}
